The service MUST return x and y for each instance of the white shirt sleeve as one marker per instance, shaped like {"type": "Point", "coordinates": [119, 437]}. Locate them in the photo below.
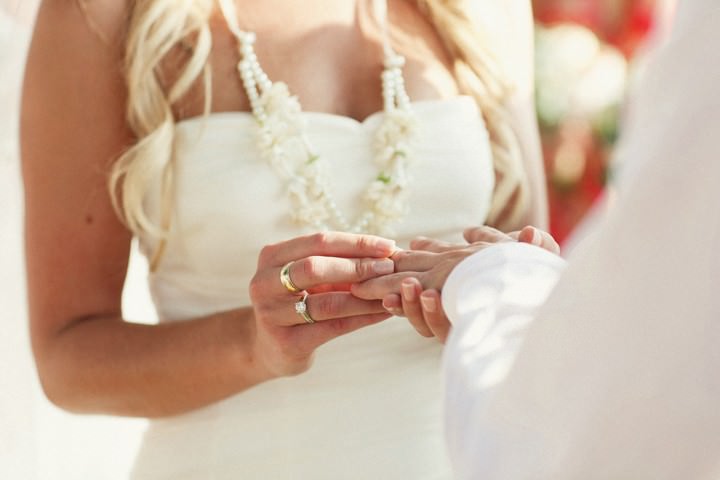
{"type": "Point", "coordinates": [491, 298]}
{"type": "Point", "coordinates": [617, 374]}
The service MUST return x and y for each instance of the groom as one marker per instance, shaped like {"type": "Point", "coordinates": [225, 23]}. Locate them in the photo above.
{"type": "Point", "coordinates": [613, 372]}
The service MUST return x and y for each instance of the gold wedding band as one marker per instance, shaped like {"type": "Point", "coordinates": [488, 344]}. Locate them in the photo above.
{"type": "Point", "coordinates": [286, 280]}
{"type": "Point", "coordinates": [302, 310]}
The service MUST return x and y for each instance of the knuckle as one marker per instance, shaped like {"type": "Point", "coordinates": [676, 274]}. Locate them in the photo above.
{"type": "Point", "coordinates": [320, 240]}
{"type": "Point", "coordinates": [328, 306]}
{"type": "Point", "coordinates": [256, 289]}
{"type": "Point", "coordinates": [362, 243]}
{"type": "Point", "coordinates": [400, 259]}
{"type": "Point", "coordinates": [425, 246]}
{"type": "Point", "coordinates": [363, 268]}
{"type": "Point", "coordinates": [266, 254]}
{"type": "Point", "coordinates": [311, 268]}
{"type": "Point", "coordinates": [417, 243]}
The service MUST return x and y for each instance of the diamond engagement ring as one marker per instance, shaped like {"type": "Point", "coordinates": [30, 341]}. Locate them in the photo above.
{"type": "Point", "coordinates": [286, 280]}
{"type": "Point", "coordinates": [302, 310]}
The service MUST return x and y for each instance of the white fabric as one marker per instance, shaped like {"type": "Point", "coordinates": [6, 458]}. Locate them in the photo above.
{"type": "Point", "coordinates": [617, 376]}
{"type": "Point", "coordinates": [370, 405]}
{"type": "Point", "coordinates": [17, 455]}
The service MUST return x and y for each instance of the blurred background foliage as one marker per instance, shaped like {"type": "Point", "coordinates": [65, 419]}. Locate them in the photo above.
{"type": "Point", "coordinates": [585, 56]}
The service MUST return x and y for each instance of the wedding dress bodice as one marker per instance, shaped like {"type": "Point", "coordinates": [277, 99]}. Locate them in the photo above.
{"type": "Point", "coordinates": [229, 203]}
{"type": "Point", "coordinates": [370, 405]}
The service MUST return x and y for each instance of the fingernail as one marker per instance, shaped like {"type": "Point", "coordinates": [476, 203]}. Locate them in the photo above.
{"type": "Point", "coordinates": [428, 303]}
{"type": "Point", "coordinates": [383, 267]}
{"type": "Point", "coordinates": [408, 290]}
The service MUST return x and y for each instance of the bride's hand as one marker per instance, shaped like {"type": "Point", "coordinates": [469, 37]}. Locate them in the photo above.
{"type": "Point", "coordinates": [323, 265]}
{"type": "Point", "coordinates": [414, 291]}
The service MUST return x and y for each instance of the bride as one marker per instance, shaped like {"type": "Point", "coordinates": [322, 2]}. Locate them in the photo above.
{"type": "Point", "coordinates": [180, 123]}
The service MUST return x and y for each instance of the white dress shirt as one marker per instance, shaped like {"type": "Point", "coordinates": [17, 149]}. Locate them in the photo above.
{"type": "Point", "coordinates": [615, 374]}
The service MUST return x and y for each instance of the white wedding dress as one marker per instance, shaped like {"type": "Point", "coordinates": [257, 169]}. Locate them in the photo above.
{"type": "Point", "coordinates": [370, 405]}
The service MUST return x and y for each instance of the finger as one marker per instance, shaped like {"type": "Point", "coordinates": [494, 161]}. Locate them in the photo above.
{"type": "Point", "coordinates": [393, 304]}
{"type": "Point", "coordinates": [315, 271]}
{"type": "Point", "coordinates": [330, 287]}
{"type": "Point", "coordinates": [322, 332]}
{"type": "Point", "coordinates": [526, 235]}
{"type": "Point", "coordinates": [432, 245]}
{"type": "Point", "coordinates": [549, 243]}
{"type": "Point", "coordinates": [484, 234]}
{"type": "Point", "coordinates": [434, 315]}
{"type": "Point", "coordinates": [331, 244]}
{"type": "Point", "coordinates": [328, 306]}
{"type": "Point", "coordinates": [539, 238]}
{"type": "Point", "coordinates": [411, 289]}
{"type": "Point", "coordinates": [378, 288]}
{"type": "Point", "coordinates": [415, 261]}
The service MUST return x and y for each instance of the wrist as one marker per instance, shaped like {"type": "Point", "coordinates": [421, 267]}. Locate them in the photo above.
{"type": "Point", "coordinates": [248, 359]}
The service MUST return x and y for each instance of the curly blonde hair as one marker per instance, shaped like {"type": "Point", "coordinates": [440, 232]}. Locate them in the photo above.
{"type": "Point", "coordinates": [158, 26]}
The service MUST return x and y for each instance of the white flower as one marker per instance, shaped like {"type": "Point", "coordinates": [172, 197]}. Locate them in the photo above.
{"type": "Point", "coordinates": [283, 113]}
{"type": "Point", "coordinates": [376, 191]}
{"type": "Point", "coordinates": [283, 143]}
{"type": "Point", "coordinates": [387, 199]}
{"type": "Point", "coordinates": [394, 135]}
{"type": "Point", "coordinates": [576, 74]}
{"type": "Point", "coordinates": [311, 214]}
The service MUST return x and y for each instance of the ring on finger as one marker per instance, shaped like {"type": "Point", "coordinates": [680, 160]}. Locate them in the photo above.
{"type": "Point", "coordinates": [302, 310]}
{"type": "Point", "coordinates": [286, 280]}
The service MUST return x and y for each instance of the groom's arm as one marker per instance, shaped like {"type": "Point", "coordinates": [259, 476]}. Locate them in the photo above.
{"type": "Point", "coordinates": [617, 375]}
{"type": "Point", "coordinates": [491, 298]}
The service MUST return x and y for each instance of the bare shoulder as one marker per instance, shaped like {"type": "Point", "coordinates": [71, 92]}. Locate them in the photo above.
{"type": "Point", "coordinates": [74, 70]}
{"type": "Point", "coordinates": [508, 26]}
{"type": "Point", "coordinates": [73, 128]}
{"type": "Point", "coordinates": [106, 19]}
{"type": "Point", "coordinates": [77, 49]}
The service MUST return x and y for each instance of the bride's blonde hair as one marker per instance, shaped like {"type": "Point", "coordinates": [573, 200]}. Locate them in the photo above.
{"type": "Point", "coordinates": [158, 26]}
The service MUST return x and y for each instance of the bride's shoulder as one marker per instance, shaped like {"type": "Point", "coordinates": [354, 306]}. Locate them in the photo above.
{"type": "Point", "coordinates": [105, 20]}
{"type": "Point", "coordinates": [76, 52]}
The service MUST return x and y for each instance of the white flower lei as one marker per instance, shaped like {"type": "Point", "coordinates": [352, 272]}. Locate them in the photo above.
{"type": "Point", "coordinates": [283, 142]}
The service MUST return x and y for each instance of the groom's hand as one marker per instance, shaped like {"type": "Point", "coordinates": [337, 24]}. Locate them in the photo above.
{"type": "Point", "coordinates": [414, 290]}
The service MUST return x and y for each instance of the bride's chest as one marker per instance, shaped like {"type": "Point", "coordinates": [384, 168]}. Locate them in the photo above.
{"type": "Point", "coordinates": [331, 59]}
